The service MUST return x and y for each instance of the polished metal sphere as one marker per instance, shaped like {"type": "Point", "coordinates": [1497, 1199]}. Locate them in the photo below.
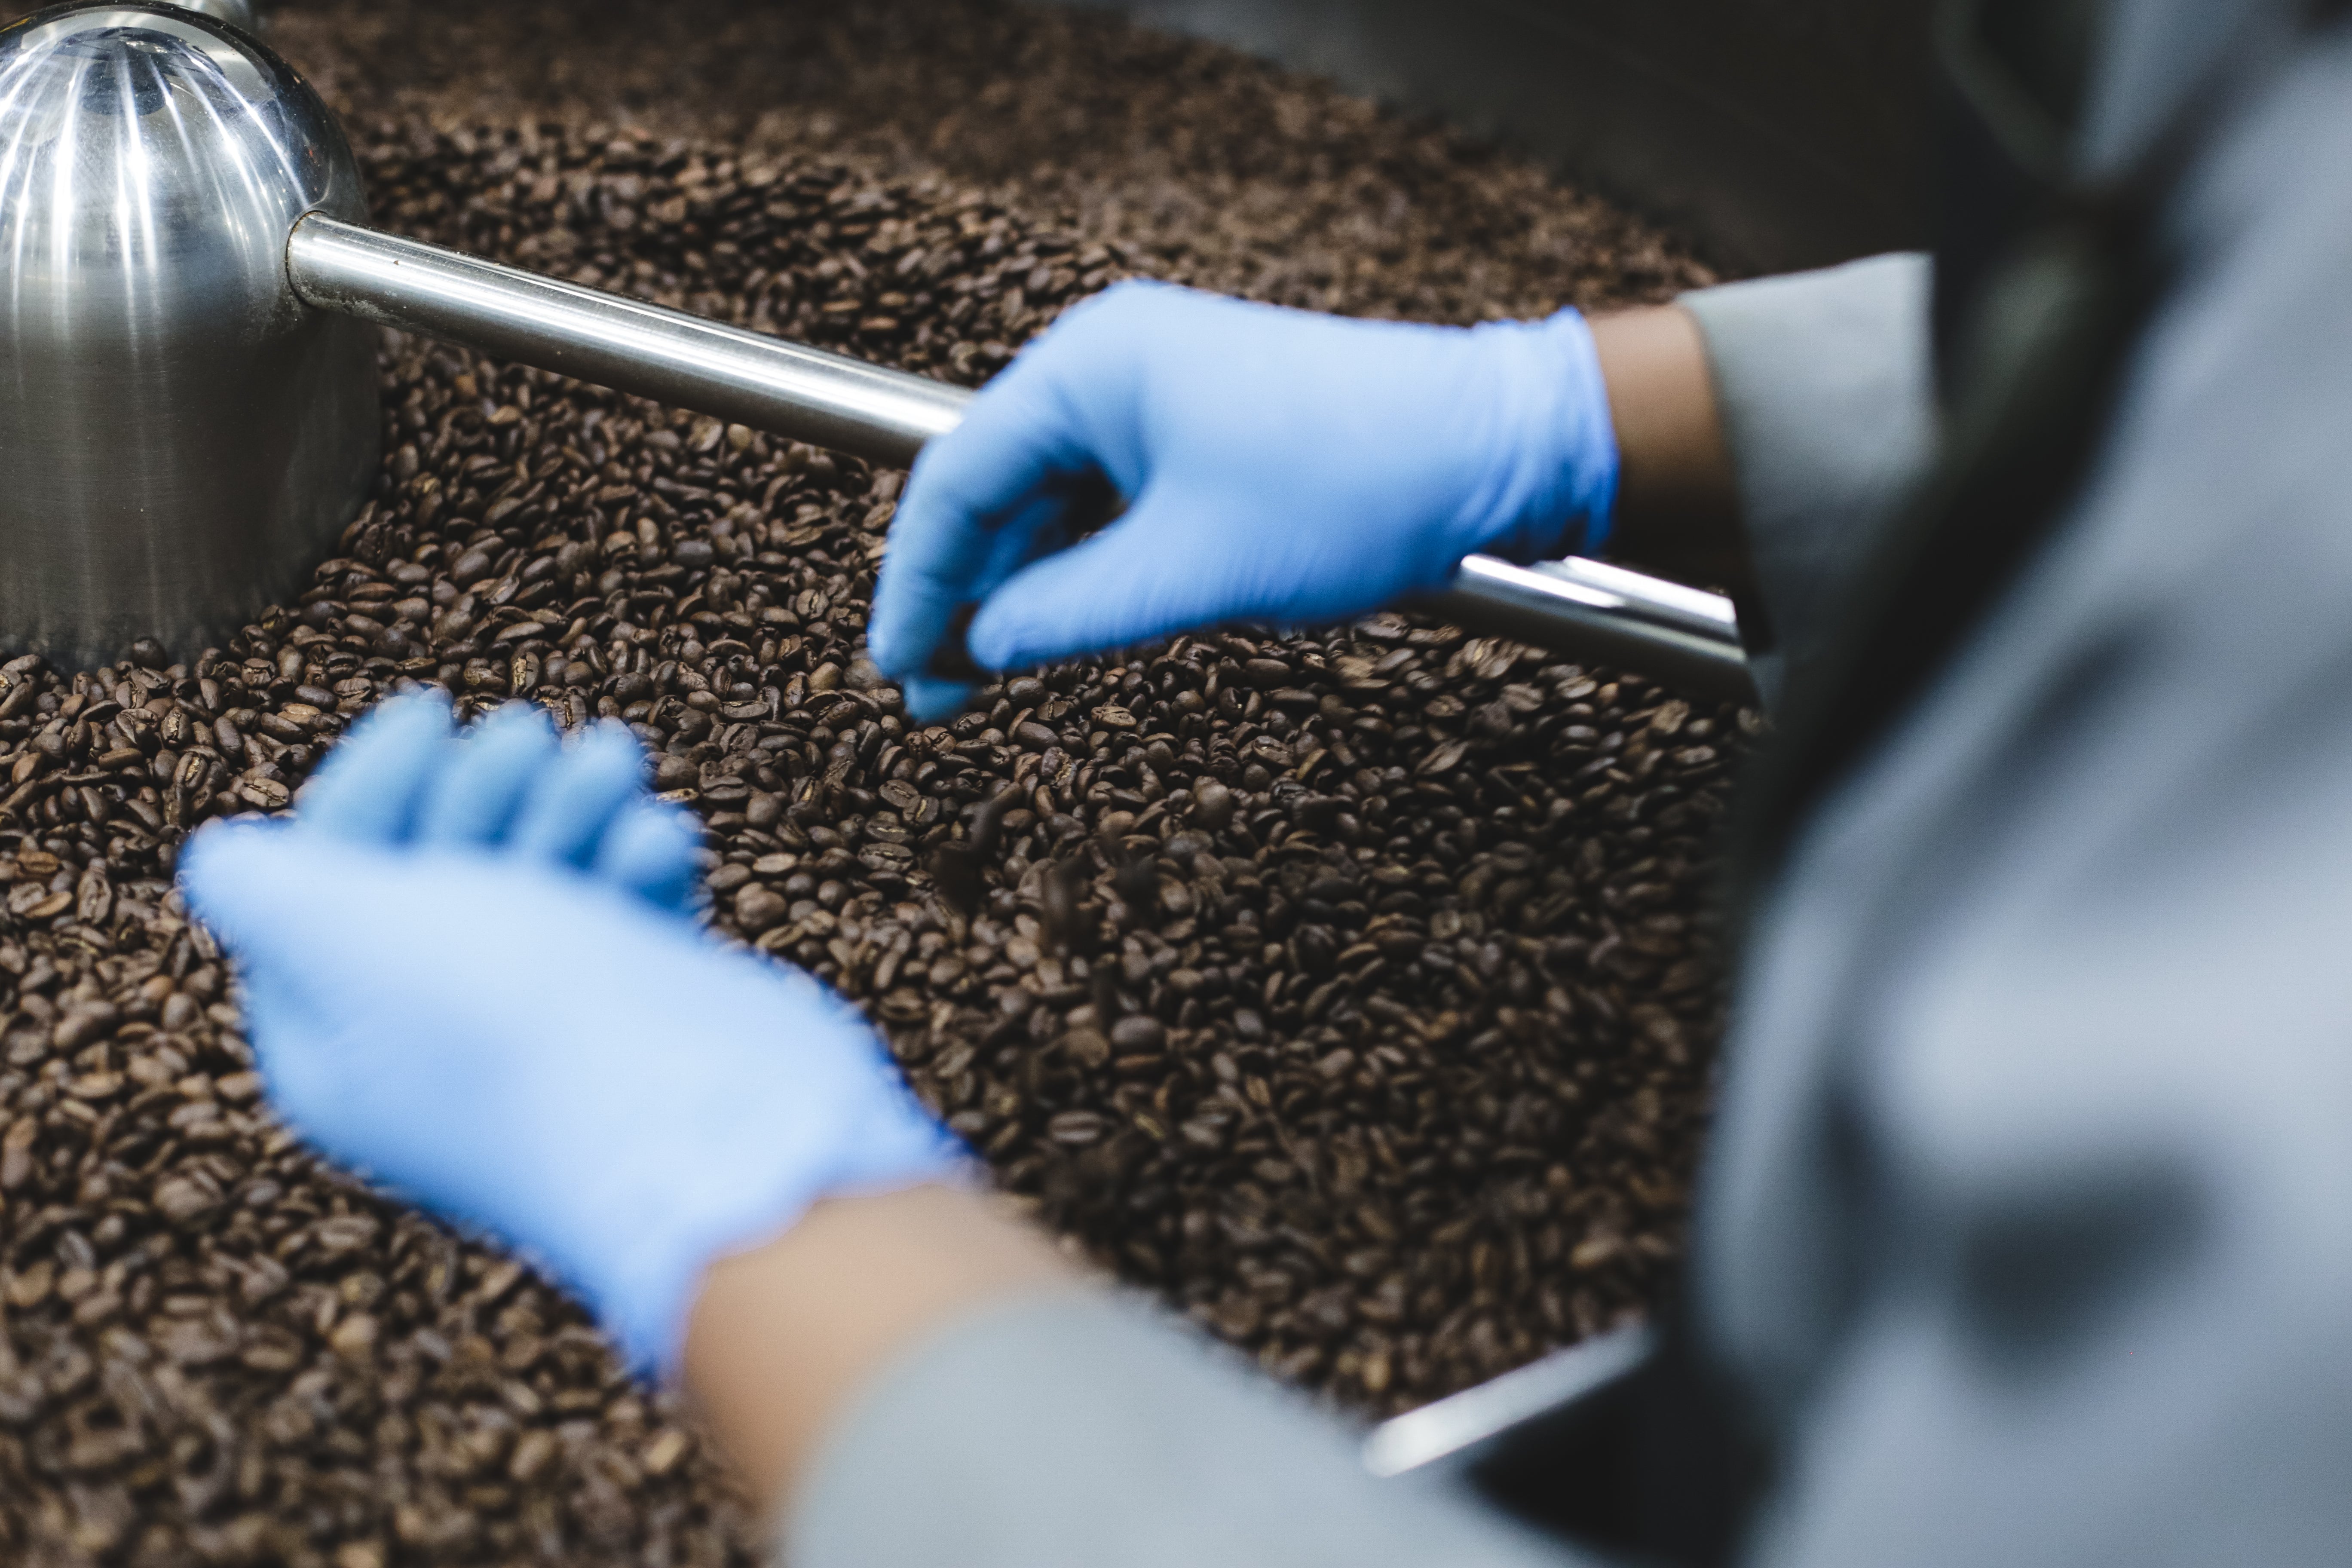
{"type": "Point", "coordinates": [241, 12]}
{"type": "Point", "coordinates": [180, 437]}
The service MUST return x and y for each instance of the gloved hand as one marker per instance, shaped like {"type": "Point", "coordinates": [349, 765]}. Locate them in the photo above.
{"type": "Point", "coordinates": [533, 1047]}
{"type": "Point", "coordinates": [1278, 466]}
{"type": "Point", "coordinates": [405, 775]}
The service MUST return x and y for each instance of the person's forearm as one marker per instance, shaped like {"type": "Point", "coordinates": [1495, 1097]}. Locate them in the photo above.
{"type": "Point", "coordinates": [782, 1337]}
{"type": "Point", "coordinates": [1677, 501]}
{"type": "Point", "coordinates": [919, 1378]}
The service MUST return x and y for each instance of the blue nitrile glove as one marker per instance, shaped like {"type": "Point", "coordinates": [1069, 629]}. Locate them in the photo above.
{"type": "Point", "coordinates": [530, 1047]}
{"type": "Point", "coordinates": [1278, 466]}
{"type": "Point", "coordinates": [406, 775]}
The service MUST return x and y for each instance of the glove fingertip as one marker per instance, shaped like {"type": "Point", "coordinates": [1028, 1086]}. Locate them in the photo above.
{"type": "Point", "coordinates": [610, 736]}
{"type": "Point", "coordinates": [217, 843]}
{"type": "Point", "coordinates": [905, 628]}
{"type": "Point", "coordinates": [475, 799]}
{"type": "Point", "coordinates": [366, 792]}
{"type": "Point", "coordinates": [402, 722]}
{"type": "Point", "coordinates": [932, 701]}
{"type": "Point", "coordinates": [517, 711]}
{"type": "Point", "coordinates": [230, 871]}
{"type": "Point", "coordinates": [526, 722]}
{"type": "Point", "coordinates": [1005, 639]}
{"type": "Point", "coordinates": [650, 852]}
{"type": "Point", "coordinates": [576, 797]}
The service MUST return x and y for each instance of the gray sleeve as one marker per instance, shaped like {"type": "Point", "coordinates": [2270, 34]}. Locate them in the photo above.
{"type": "Point", "coordinates": [1087, 1429]}
{"type": "Point", "coordinates": [1826, 390]}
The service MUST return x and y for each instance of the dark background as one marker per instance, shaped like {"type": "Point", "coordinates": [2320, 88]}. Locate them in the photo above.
{"type": "Point", "coordinates": [1780, 132]}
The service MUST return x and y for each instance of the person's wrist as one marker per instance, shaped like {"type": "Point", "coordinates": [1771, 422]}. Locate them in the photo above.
{"type": "Point", "coordinates": [718, 1206]}
{"type": "Point", "coordinates": [783, 1338]}
{"type": "Point", "coordinates": [1677, 510]}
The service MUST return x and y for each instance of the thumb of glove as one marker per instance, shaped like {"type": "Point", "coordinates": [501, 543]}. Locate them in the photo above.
{"type": "Point", "coordinates": [1152, 573]}
{"type": "Point", "coordinates": [248, 882]}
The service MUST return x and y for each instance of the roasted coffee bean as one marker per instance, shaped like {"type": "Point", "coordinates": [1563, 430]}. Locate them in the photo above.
{"type": "Point", "coordinates": [1212, 806]}
{"type": "Point", "coordinates": [1352, 990]}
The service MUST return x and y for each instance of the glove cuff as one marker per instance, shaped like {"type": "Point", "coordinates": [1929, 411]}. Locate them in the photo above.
{"type": "Point", "coordinates": [644, 1298]}
{"type": "Point", "coordinates": [1558, 487]}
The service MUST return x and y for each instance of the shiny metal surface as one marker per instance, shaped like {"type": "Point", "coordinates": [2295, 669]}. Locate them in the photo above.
{"type": "Point", "coordinates": [179, 437]}
{"type": "Point", "coordinates": [1450, 1432]}
{"type": "Point", "coordinates": [1591, 610]}
{"type": "Point", "coordinates": [803, 393]}
{"type": "Point", "coordinates": [241, 12]}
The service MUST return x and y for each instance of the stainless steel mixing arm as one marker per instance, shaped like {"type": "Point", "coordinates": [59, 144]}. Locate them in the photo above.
{"type": "Point", "coordinates": [1605, 613]}
{"type": "Point", "coordinates": [825, 399]}
{"type": "Point", "coordinates": [1579, 607]}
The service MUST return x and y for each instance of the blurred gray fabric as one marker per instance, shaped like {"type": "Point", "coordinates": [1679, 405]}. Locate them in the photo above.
{"type": "Point", "coordinates": [2024, 1217]}
{"type": "Point", "coordinates": [2028, 1222]}
{"type": "Point", "coordinates": [1826, 390]}
{"type": "Point", "coordinates": [1085, 1429]}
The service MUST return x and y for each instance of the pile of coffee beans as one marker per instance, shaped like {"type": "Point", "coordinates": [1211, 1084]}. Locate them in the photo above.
{"type": "Point", "coordinates": [1355, 991]}
{"type": "Point", "coordinates": [1233, 176]}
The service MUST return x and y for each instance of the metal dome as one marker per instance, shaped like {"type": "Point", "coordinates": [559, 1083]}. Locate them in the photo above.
{"type": "Point", "coordinates": [178, 434]}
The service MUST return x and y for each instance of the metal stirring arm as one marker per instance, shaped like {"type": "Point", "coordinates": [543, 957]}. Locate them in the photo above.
{"type": "Point", "coordinates": [1607, 614]}
{"type": "Point", "coordinates": [825, 399]}
{"type": "Point", "coordinates": [1578, 607]}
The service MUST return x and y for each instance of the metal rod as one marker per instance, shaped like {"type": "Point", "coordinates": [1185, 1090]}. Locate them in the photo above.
{"type": "Point", "coordinates": [1578, 607]}
{"type": "Point", "coordinates": [1457, 1429]}
{"type": "Point", "coordinates": [825, 399]}
{"type": "Point", "coordinates": [1605, 613]}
